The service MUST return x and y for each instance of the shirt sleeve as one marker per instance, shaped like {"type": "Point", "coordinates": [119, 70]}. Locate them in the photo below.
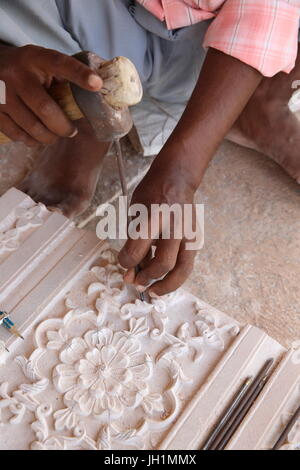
{"type": "Point", "coordinates": [260, 33]}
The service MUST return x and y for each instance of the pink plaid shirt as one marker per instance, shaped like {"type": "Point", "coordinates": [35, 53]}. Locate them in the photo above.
{"type": "Point", "coordinates": [260, 33]}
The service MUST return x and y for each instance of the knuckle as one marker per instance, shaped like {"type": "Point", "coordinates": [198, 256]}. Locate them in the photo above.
{"type": "Point", "coordinates": [36, 129]}
{"type": "Point", "coordinates": [29, 48]}
{"type": "Point", "coordinates": [28, 53]}
{"type": "Point", "coordinates": [47, 107]}
{"type": "Point", "coordinates": [50, 140]}
{"type": "Point", "coordinates": [20, 86]}
{"type": "Point", "coordinates": [58, 60]}
{"type": "Point", "coordinates": [164, 266]}
{"type": "Point", "coordinates": [167, 262]}
{"type": "Point", "coordinates": [186, 269]}
{"type": "Point", "coordinates": [19, 136]}
{"type": "Point", "coordinates": [10, 130]}
{"type": "Point", "coordinates": [132, 257]}
{"type": "Point", "coordinates": [129, 257]}
{"type": "Point", "coordinates": [32, 143]}
{"type": "Point", "coordinates": [143, 278]}
{"type": "Point", "coordinates": [80, 70]}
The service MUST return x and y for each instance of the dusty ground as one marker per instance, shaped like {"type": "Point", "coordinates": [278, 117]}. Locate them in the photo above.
{"type": "Point", "coordinates": [250, 264]}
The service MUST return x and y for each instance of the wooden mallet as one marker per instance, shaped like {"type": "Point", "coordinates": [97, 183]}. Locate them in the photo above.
{"type": "Point", "coordinates": [107, 110]}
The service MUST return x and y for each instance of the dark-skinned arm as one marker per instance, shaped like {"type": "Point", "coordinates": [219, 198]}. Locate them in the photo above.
{"type": "Point", "coordinates": [224, 87]}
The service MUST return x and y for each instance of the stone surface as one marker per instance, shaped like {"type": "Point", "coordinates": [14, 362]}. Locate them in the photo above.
{"type": "Point", "coordinates": [281, 393]}
{"type": "Point", "coordinates": [260, 427]}
{"type": "Point", "coordinates": [99, 369]}
{"type": "Point", "coordinates": [249, 266]}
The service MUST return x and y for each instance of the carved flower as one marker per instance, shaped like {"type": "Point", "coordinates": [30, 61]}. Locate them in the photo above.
{"type": "Point", "coordinates": [8, 241]}
{"type": "Point", "coordinates": [105, 371]}
{"type": "Point", "coordinates": [29, 217]}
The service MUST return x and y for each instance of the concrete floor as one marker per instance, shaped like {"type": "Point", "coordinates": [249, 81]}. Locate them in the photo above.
{"type": "Point", "coordinates": [250, 264]}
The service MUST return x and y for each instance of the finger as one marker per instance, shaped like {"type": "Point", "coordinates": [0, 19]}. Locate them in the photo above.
{"type": "Point", "coordinates": [26, 120]}
{"type": "Point", "coordinates": [71, 69]}
{"type": "Point", "coordinates": [149, 256]}
{"type": "Point", "coordinates": [178, 275]}
{"type": "Point", "coordinates": [136, 250]}
{"type": "Point", "coordinates": [163, 262]}
{"type": "Point", "coordinates": [129, 276]}
{"type": "Point", "coordinates": [46, 109]}
{"type": "Point", "coordinates": [133, 252]}
{"type": "Point", "coordinates": [14, 132]}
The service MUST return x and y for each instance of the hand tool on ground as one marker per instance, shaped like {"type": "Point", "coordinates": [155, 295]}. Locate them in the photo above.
{"type": "Point", "coordinates": [244, 407]}
{"type": "Point", "coordinates": [106, 110]}
{"type": "Point", "coordinates": [9, 324]}
{"type": "Point", "coordinates": [227, 414]}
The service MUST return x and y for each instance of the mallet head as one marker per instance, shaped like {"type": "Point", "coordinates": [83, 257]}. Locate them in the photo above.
{"type": "Point", "coordinates": [107, 110]}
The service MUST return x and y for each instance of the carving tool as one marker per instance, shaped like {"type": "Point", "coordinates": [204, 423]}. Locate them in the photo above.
{"type": "Point", "coordinates": [9, 324]}
{"type": "Point", "coordinates": [283, 437]}
{"type": "Point", "coordinates": [106, 110]}
{"type": "Point", "coordinates": [124, 187]}
{"type": "Point", "coordinates": [227, 414]}
{"type": "Point", "coordinates": [237, 409]}
{"type": "Point", "coordinates": [242, 410]}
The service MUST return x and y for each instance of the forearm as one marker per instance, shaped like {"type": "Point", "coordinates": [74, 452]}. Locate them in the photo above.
{"type": "Point", "coordinates": [224, 87]}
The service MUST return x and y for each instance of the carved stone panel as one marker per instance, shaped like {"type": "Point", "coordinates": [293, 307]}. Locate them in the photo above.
{"type": "Point", "coordinates": [100, 369]}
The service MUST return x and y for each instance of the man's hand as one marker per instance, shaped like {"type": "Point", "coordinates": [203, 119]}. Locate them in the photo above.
{"type": "Point", "coordinates": [30, 115]}
{"type": "Point", "coordinates": [172, 261]}
{"type": "Point", "coordinates": [224, 87]}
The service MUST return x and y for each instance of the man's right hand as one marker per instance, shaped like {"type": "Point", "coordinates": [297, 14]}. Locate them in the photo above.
{"type": "Point", "coordinates": [30, 115]}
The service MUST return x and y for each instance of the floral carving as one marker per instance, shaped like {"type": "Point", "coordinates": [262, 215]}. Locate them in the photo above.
{"type": "Point", "coordinates": [105, 371]}
{"type": "Point", "coordinates": [25, 219]}
{"type": "Point", "coordinates": [110, 356]}
{"type": "Point", "coordinates": [8, 241]}
{"type": "Point", "coordinates": [29, 217]}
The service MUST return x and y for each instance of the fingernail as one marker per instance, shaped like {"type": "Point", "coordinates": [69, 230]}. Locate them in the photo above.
{"type": "Point", "coordinates": [95, 82]}
{"type": "Point", "coordinates": [127, 278]}
{"type": "Point", "coordinates": [153, 295]}
{"type": "Point", "coordinates": [54, 209]}
{"type": "Point", "coordinates": [75, 132]}
{"type": "Point", "coordinates": [141, 288]}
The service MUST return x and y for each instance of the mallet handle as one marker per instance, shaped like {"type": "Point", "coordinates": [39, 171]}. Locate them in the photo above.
{"type": "Point", "coordinates": [121, 88]}
{"type": "Point", "coordinates": [61, 93]}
